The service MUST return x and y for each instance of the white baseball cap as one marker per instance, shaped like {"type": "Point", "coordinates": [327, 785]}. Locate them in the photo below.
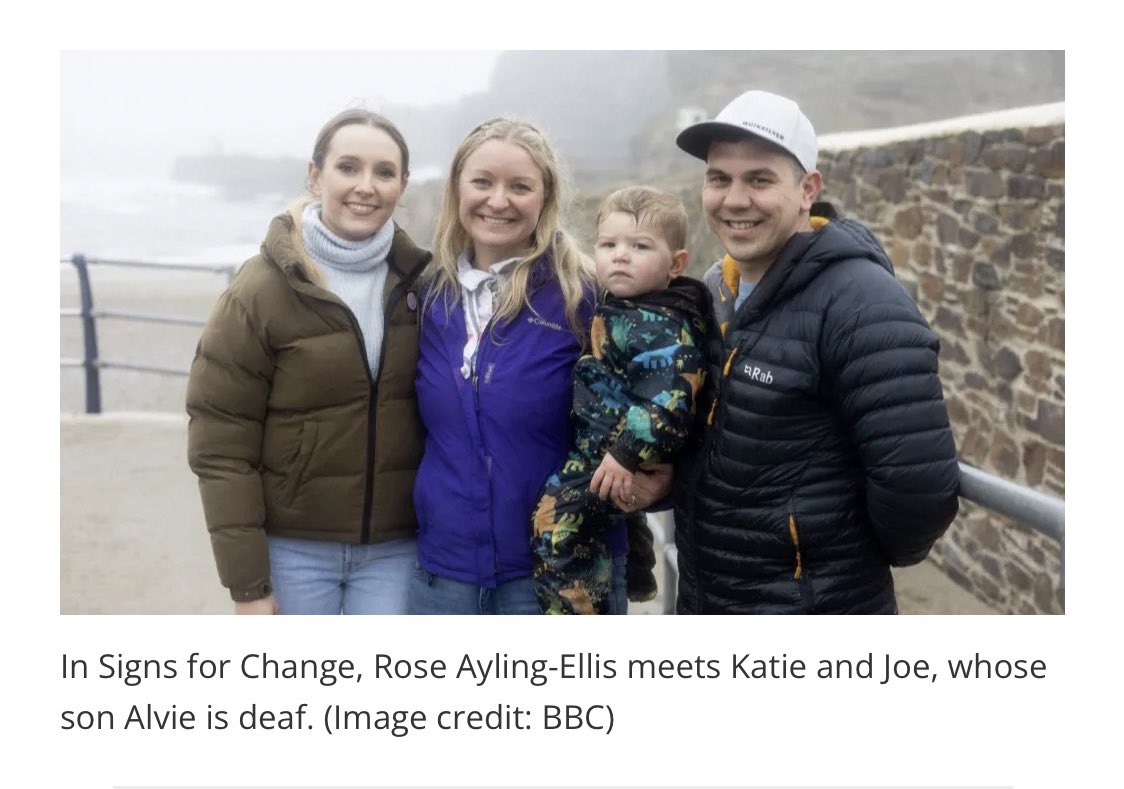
{"type": "Point", "coordinates": [756, 113]}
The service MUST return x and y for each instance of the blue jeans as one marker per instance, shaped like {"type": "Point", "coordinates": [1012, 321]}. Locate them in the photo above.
{"type": "Point", "coordinates": [321, 577]}
{"type": "Point", "coordinates": [618, 599]}
{"type": "Point", "coordinates": [434, 594]}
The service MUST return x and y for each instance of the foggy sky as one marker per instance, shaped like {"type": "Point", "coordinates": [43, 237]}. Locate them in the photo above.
{"type": "Point", "coordinates": [130, 112]}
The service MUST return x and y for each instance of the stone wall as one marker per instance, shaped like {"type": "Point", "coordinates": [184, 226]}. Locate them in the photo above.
{"type": "Point", "coordinates": [974, 221]}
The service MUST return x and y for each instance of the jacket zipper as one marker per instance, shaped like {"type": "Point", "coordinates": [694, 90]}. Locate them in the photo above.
{"type": "Point", "coordinates": [487, 457]}
{"type": "Point", "coordinates": [712, 431]}
{"type": "Point", "coordinates": [696, 472]}
{"type": "Point", "coordinates": [368, 466]}
{"type": "Point", "coordinates": [795, 537]}
{"type": "Point", "coordinates": [476, 404]}
{"type": "Point", "coordinates": [372, 394]}
{"type": "Point", "coordinates": [372, 401]}
{"type": "Point", "coordinates": [476, 386]}
{"type": "Point", "coordinates": [807, 594]}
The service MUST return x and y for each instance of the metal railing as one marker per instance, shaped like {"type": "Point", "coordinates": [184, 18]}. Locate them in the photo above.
{"type": "Point", "coordinates": [1038, 511]}
{"type": "Point", "coordinates": [91, 361]}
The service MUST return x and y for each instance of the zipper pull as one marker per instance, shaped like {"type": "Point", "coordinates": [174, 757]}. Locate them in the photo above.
{"type": "Point", "coordinates": [729, 361]}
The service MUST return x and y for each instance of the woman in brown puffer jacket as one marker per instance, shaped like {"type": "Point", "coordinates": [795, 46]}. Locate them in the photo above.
{"type": "Point", "coordinates": [304, 429]}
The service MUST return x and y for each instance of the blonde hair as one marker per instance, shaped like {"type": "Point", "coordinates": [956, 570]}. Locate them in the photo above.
{"type": "Point", "coordinates": [651, 208]}
{"type": "Point", "coordinates": [573, 269]}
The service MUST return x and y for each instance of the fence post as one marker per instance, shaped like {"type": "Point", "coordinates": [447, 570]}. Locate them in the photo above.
{"type": "Point", "coordinates": [89, 337]}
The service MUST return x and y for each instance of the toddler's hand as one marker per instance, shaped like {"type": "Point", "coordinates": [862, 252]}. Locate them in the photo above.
{"type": "Point", "coordinates": [612, 479]}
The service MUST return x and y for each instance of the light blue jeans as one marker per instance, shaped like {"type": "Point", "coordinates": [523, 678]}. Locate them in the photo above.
{"type": "Point", "coordinates": [320, 577]}
{"type": "Point", "coordinates": [434, 594]}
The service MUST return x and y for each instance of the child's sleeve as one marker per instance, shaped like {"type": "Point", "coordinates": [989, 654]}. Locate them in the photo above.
{"type": "Point", "coordinates": [665, 373]}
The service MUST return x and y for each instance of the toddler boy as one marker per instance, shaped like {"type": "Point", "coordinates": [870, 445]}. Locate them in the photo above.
{"type": "Point", "coordinates": [634, 394]}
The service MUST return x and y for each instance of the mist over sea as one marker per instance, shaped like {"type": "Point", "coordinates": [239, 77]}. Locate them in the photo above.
{"type": "Point", "coordinates": [166, 220]}
{"type": "Point", "coordinates": [161, 219]}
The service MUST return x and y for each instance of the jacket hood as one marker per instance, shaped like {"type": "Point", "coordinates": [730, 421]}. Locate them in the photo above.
{"type": "Point", "coordinates": [806, 255]}
{"type": "Point", "coordinates": [845, 239]}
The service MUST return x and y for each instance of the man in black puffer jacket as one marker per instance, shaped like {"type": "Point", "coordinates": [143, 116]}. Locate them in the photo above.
{"type": "Point", "coordinates": [823, 454]}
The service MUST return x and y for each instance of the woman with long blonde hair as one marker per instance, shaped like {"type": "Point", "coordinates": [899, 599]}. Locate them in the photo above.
{"type": "Point", "coordinates": [506, 310]}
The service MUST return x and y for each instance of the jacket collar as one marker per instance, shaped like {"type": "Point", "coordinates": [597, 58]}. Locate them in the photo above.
{"type": "Point", "coordinates": [820, 215]}
{"type": "Point", "coordinates": [805, 255]}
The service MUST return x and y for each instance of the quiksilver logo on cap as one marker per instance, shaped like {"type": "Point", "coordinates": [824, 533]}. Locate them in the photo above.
{"type": "Point", "coordinates": [758, 126]}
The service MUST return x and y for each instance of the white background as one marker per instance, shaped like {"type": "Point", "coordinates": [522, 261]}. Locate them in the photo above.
{"type": "Point", "coordinates": [1058, 732]}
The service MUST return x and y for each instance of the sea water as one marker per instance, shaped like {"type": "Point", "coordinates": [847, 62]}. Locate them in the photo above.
{"type": "Point", "coordinates": [157, 218]}
{"type": "Point", "coordinates": [161, 219]}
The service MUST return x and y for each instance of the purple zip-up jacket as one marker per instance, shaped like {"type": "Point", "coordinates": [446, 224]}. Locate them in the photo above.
{"type": "Point", "coordinates": [491, 441]}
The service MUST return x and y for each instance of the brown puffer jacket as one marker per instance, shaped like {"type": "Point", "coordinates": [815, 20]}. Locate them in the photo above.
{"type": "Point", "coordinates": [287, 433]}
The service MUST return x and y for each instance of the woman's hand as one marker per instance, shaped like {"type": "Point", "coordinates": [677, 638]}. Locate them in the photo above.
{"type": "Point", "coordinates": [266, 605]}
{"type": "Point", "coordinates": [649, 485]}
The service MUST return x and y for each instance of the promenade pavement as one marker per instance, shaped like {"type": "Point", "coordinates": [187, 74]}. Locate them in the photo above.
{"type": "Point", "coordinates": [133, 542]}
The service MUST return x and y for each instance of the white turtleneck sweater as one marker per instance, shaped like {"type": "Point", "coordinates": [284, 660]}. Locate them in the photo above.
{"type": "Point", "coordinates": [355, 271]}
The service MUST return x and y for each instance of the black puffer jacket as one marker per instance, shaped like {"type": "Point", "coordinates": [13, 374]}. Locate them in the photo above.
{"type": "Point", "coordinates": [828, 455]}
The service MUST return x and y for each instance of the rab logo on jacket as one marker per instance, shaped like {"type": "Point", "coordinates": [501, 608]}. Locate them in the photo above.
{"type": "Point", "coordinates": [759, 375]}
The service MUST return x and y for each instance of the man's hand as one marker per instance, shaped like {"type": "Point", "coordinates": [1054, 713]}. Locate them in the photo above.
{"type": "Point", "coordinates": [649, 485]}
{"type": "Point", "coordinates": [612, 479]}
{"type": "Point", "coordinates": [266, 605]}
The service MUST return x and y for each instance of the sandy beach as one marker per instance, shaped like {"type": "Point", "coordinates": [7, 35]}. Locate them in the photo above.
{"type": "Point", "coordinates": [132, 533]}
